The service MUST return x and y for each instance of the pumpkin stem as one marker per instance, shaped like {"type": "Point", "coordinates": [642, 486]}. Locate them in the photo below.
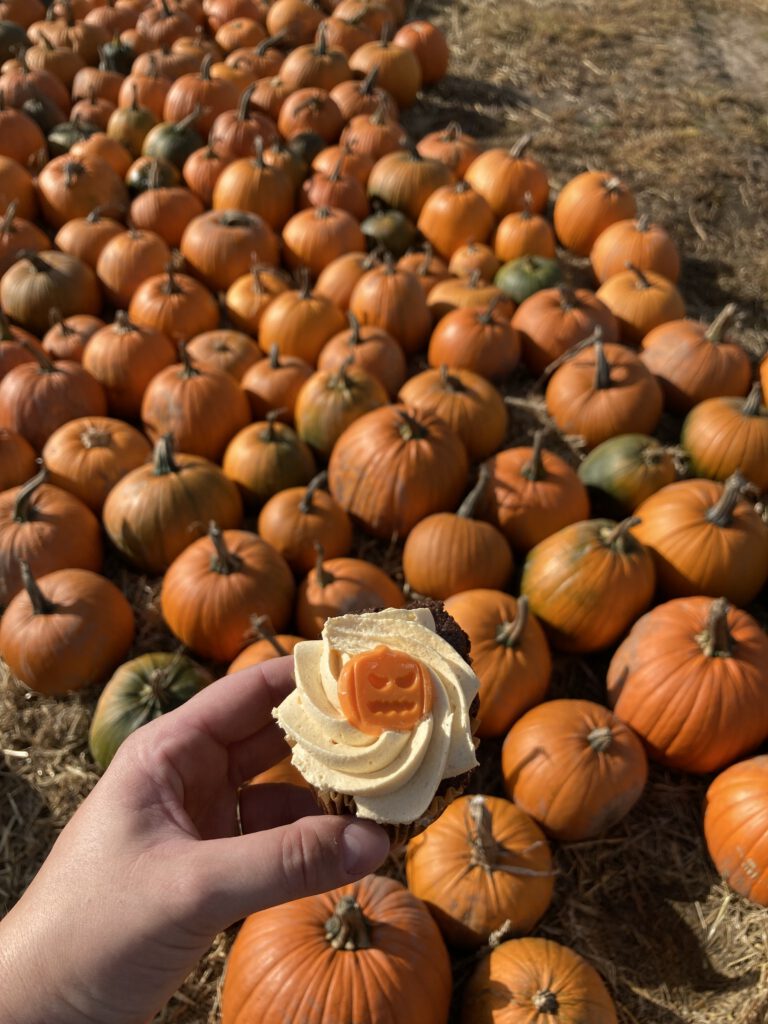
{"type": "Point", "coordinates": [40, 603]}
{"type": "Point", "coordinates": [448, 381]}
{"type": "Point", "coordinates": [642, 280]}
{"type": "Point", "coordinates": [205, 67]}
{"type": "Point", "coordinates": [270, 43]}
{"type": "Point", "coordinates": [242, 107]}
{"type": "Point", "coordinates": [305, 288]}
{"type": "Point", "coordinates": [321, 46]}
{"type": "Point", "coordinates": [188, 367]}
{"type": "Point", "coordinates": [348, 928]}
{"type": "Point", "coordinates": [158, 682]}
{"type": "Point", "coordinates": [324, 578]}
{"type": "Point", "coordinates": [721, 513]}
{"type": "Point", "coordinates": [527, 211]}
{"type": "Point", "coordinates": [568, 300]}
{"type": "Point", "coordinates": [509, 634]}
{"type": "Point", "coordinates": [425, 266]}
{"type": "Point", "coordinates": [545, 1001]}
{"type": "Point", "coordinates": [753, 401]}
{"type": "Point", "coordinates": [602, 369]}
{"type": "Point", "coordinates": [616, 537]}
{"type": "Point", "coordinates": [643, 222]}
{"type": "Point", "coordinates": [189, 120]}
{"type": "Point", "coordinates": [341, 379]}
{"type": "Point", "coordinates": [270, 434]}
{"type": "Point", "coordinates": [23, 511]}
{"type": "Point", "coordinates": [6, 225]}
{"type": "Point", "coordinates": [387, 31]}
{"type": "Point", "coordinates": [354, 328]}
{"type": "Point", "coordinates": [94, 436]}
{"type": "Point", "coordinates": [171, 285]}
{"type": "Point", "coordinates": [521, 145]}
{"type": "Point", "coordinates": [487, 852]}
{"type": "Point", "coordinates": [716, 640]}
{"type": "Point", "coordinates": [224, 562]}
{"type": "Point", "coordinates": [45, 364]}
{"type": "Point", "coordinates": [474, 278]}
{"type": "Point", "coordinates": [122, 322]}
{"type": "Point", "coordinates": [487, 315]}
{"type": "Point", "coordinates": [162, 457]}
{"type": "Point", "coordinates": [410, 429]}
{"type": "Point", "coordinates": [468, 507]}
{"type": "Point", "coordinates": [368, 84]}
{"type": "Point", "coordinates": [41, 266]}
{"type": "Point", "coordinates": [532, 468]}
{"type": "Point", "coordinates": [600, 738]}
{"type": "Point", "coordinates": [314, 485]}
{"type": "Point", "coordinates": [261, 627]}
{"type": "Point", "coordinates": [274, 357]}
{"type": "Point", "coordinates": [716, 329]}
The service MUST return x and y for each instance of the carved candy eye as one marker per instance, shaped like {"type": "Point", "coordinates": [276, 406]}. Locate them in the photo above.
{"type": "Point", "coordinates": [384, 689]}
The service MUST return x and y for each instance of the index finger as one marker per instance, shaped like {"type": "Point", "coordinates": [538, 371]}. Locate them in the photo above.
{"type": "Point", "coordinates": [237, 706]}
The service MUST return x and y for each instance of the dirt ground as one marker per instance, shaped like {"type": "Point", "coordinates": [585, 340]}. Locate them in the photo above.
{"type": "Point", "coordinates": [672, 96]}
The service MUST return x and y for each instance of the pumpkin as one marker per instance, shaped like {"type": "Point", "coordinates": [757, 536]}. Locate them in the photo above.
{"type": "Point", "coordinates": [446, 553]}
{"type": "Point", "coordinates": [101, 147]}
{"type": "Point", "coordinates": [587, 205]}
{"type": "Point", "coordinates": [159, 508]}
{"type": "Point", "coordinates": [179, 395]}
{"type": "Point", "coordinates": [314, 237]}
{"type": "Point", "coordinates": [37, 397]}
{"type": "Point", "coordinates": [705, 539]}
{"type": "Point", "coordinates": [588, 583]}
{"type": "Point", "coordinates": [16, 346]}
{"type": "Point", "coordinates": [335, 189]}
{"type": "Point", "coordinates": [67, 339]}
{"type": "Point", "coordinates": [480, 340]}
{"type": "Point", "coordinates": [404, 180]}
{"type": "Point", "coordinates": [199, 92]}
{"type": "Point", "coordinates": [454, 215]}
{"type": "Point", "coordinates": [689, 679]}
{"type": "Point", "coordinates": [458, 292]}
{"type": "Point", "coordinates": [640, 300]}
{"type": "Point", "coordinates": [528, 978]}
{"type": "Point", "coordinates": [429, 268]}
{"type": "Point", "coordinates": [230, 351]}
{"type": "Point", "coordinates": [201, 171]}
{"type": "Point", "coordinates": [340, 586]}
{"type": "Point", "coordinates": [174, 304]}
{"type": "Point", "coordinates": [140, 691]}
{"type": "Point", "coordinates": [554, 320]}
{"type": "Point", "coordinates": [296, 518]}
{"type": "Point", "coordinates": [625, 470]}
{"type": "Point", "coordinates": [645, 245]}
{"type": "Point", "coordinates": [394, 466]}
{"type": "Point", "coordinates": [483, 864]}
{"type": "Point", "coordinates": [603, 390]}
{"type": "Point", "coordinates": [249, 295]}
{"type": "Point", "coordinates": [39, 282]}
{"type": "Point", "coordinates": [721, 435]}
{"type": "Point", "coordinates": [735, 827]}
{"type": "Point", "coordinates": [149, 89]}
{"type": "Point", "coordinates": [346, 34]}
{"type": "Point", "coordinates": [399, 70]}
{"type": "Point", "coordinates": [252, 185]}
{"type": "Point", "coordinates": [371, 349]}
{"type": "Point", "coordinates": [692, 362]}
{"type": "Point", "coordinates": [524, 233]}
{"type": "Point", "coordinates": [18, 236]}
{"type": "Point", "coordinates": [315, 64]}
{"type": "Point", "coordinates": [258, 62]}
{"type": "Point", "coordinates": [503, 177]}
{"type": "Point", "coordinates": [469, 404]}
{"type": "Point", "coordinates": [212, 589]}
{"type": "Point", "coordinates": [127, 260]}
{"type": "Point", "coordinates": [174, 141]}
{"type": "Point", "coordinates": [270, 645]}
{"type": "Point", "coordinates": [76, 626]}
{"type": "Point", "coordinates": [167, 211]}
{"type": "Point", "coordinates": [130, 125]}
{"type": "Point", "coordinates": [351, 164]}
{"type": "Point", "coordinates": [16, 185]}
{"type": "Point", "coordinates": [299, 322]}
{"type": "Point", "coordinates": [526, 275]}
{"type": "Point", "coordinates": [94, 111]}
{"type": "Point", "coordinates": [452, 147]}
{"type": "Point", "coordinates": [331, 400]}
{"type": "Point", "coordinates": [430, 47]}
{"type": "Point", "coordinates": [86, 237]}
{"type": "Point", "coordinates": [534, 494]}
{"type": "Point", "coordinates": [390, 231]}
{"type": "Point", "coordinates": [236, 33]}
{"type": "Point", "coordinates": [573, 766]}
{"type": "Point", "coordinates": [68, 188]}
{"type": "Point", "coordinates": [310, 110]}
{"type": "Point", "coordinates": [87, 456]}
{"type": "Point", "coordinates": [149, 173]}
{"type": "Point", "coordinates": [264, 458]}
{"type": "Point", "coordinates": [373, 943]}
{"type": "Point", "coordinates": [273, 384]}
{"type": "Point", "coordinates": [357, 97]}
{"type": "Point", "coordinates": [294, 20]}
{"type": "Point", "coordinates": [46, 527]}
{"type": "Point", "coordinates": [474, 256]}
{"type": "Point", "coordinates": [22, 85]}
{"type": "Point", "coordinates": [161, 24]}
{"type": "Point", "coordinates": [17, 459]}
{"type": "Point", "coordinates": [223, 12]}
{"type": "Point", "coordinates": [21, 138]}
{"type": "Point", "coordinates": [510, 656]}
{"type": "Point", "coordinates": [393, 299]}
{"type": "Point", "coordinates": [220, 246]}
{"type": "Point", "coordinates": [337, 281]}
{"type": "Point", "coordinates": [374, 134]}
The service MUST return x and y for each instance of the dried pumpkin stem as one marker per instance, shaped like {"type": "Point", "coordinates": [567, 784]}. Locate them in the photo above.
{"type": "Point", "coordinates": [487, 315]}
{"type": "Point", "coordinates": [600, 738]}
{"type": "Point", "coordinates": [602, 368]}
{"type": "Point", "coordinates": [410, 429]}
{"type": "Point", "coordinates": [45, 364]}
{"type": "Point", "coordinates": [617, 536]}
{"type": "Point", "coordinates": [486, 851]}
{"type": "Point", "coordinates": [449, 381]}
{"type": "Point", "coordinates": [716, 640]}
{"type": "Point", "coordinates": [314, 485]}
{"type": "Point", "coordinates": [189, 368]}
{"type": "Point", "coordinates": [368, 84]}
{"type": "Point", "coordinates": [158, 683]}
{"type": "Point", "coordinates": [272, 416]}
{"type": "Point", "coordinates": [469, 506]}
{"type": "Point", "coordinates": [721, 513]}
{"type": "Point", "coordinates": [224, 562]}
{"type": "Point", "coordinates": [521, 145]}
{"type": "Point", "coordinates": [545, 1001]}
{"type": "Point", "coordinates": [354, 327]}
{"type": "Point", "coordinates": [242, 107]}
{"type": "Point", "coordinates": [753, 401]}
{"type": "Point", "coordinates": [509, 634]}
{"type": "Point", "coordinates": [22, 510]}
{"type": "Point", "coordinates": [274, 357]}
{"type": "Point", "coordinates": [532, 469]}
{"type": "Point", "coordinates": [6, 225]}
{"type": "Point", "coordinates": [568, 300]}
{"type": "Point", "coordinates": [324, 578]}
{"type": "Point", "coordinates": [41, 266]}
{"type": "Point", "coordinates": [40, 603]}
{"type": "Point", "coordinates": [162, 458]}
{"type": "Point", "coordinates": [643, 222]}
{"type": "Point", "coordinates": [348, 928]}
{"type": "Point", "coordinates": [95, 437]}
{"type": "Point", "coordinates": [716, 329]}
{"type": "Point", "coordinates": [642, 280]}
{"type": "Point", "coordinates": [261, 627]}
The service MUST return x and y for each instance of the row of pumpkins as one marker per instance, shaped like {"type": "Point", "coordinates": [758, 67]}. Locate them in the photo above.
{"type": "Point", "coordinates": [150, 202]}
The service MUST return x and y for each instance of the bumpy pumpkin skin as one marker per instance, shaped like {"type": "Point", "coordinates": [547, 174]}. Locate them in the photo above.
{"type": "Point", "coordinates": [695, 710]}
{"type": "Point", "coordinates": [588, 583]}
{"type": "Point", "coordinates": [722, 435]}
{"type": "Point", "coordinates": [574, 767]}
{"type": "Point", "coordinates": [736, 827]}
{"type": "Point", "coordinates": [403, 978]}
{"type": "Point", "coordinates": [483, 862]}
{"type": "Point", "coordinates": [625, 470]}
{"type": "Point", "coordinates": [527, 981]}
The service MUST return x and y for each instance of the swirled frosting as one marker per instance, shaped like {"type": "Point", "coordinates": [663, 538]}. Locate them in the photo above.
{"type": "Point", "coordinates": [395, 775]}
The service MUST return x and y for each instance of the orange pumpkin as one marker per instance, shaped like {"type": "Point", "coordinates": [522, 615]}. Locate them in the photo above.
{"type": "Point", "coordinates": [337, 281]}
{"type": "Point", "coordinates": [201, 171]}
{"type": "Point", "coordinates": [270, 645]}
{"type": "Point", "coordinates": [587, 205]}
{"type": "Point", "coordinates": [248, 296]}
{"type": "Point", "coordinates": [299, 322]}
{"type": "Point", "coordinates": [374, 134]}
{"type": "Point", "coordinates": [474, 256]}
{"type": "Point", "coordinates": [68, 188]}
{"type": "Point", "coordinates": [689, 679]}
{"type": "Point", "coordinates": [314, 237]}
{"type": "Point", "coordinates": [451, 146]}
{"type": "Point", "coordinates": [273, 384]}
{"type": "Point", "coordinates": [588, 583]}
{"type": "Point", "coordinates": [458, 292]}
{"type": "Point", "coordinates": [430, 46]}
{"type": "Point", "coordinates": [221, 245]}
{"type": "Point", "coordinates": [645, 245]}
{"type": "Point", "coordinates": [127, 260]}
{"type": "Point", "coordinates": [640, 300]}
{"type": "Point", "coordinates": [315, 64]}
{"type": "Point", "coordinates": [429, 268]}
{"type": "Point", "coordinates": [174, 304]}
{"type": "Point", "coordinates": [480, 340]}
{"type": "Point", "coordinates": [166, 211]}
{"type": "Point", "coordinates": [453, 216]}
{"type": "Point", "coordinates": [18, 236]}
{"type": "Point", "coordinates": [17, 459]}
{"type": "Point", "coordinates": [67, 337]}
{"type": "Point", "coordinates": [358, 97]}
{"type": "Point", "coordinates": [721, 435]}
{"type": "Point", "coordinates": [310, 110]}
{"type": "Point", "coordinates": [510, 656]}
{"type": "Point", "coordinates": [524, 233]}
{"type": "Point", "coordinates": [574, 767]}
{"type": "Point", "coordinates": [393, 299]}
{"type": "Point", "coordinates": [265, 458]}
{"type": "Point", "coordinates": [504, 177]}
{"type": "Point", "coordinates": [337, 190]}
{"type": "Point", "coordinates": [371, 349]}
{"type": "Point", "coordinates": [404, 180]}
{"type": "Point", "coordinates": [331, 400]}
{"type": "Point", "coordinates": [85, 237]}
{"type": "Point", "coordinates": [200, 91]}
{"type": "Point", "coordinates": [253, 185]}
{"type": "Point", "coordinates": [399, 69]}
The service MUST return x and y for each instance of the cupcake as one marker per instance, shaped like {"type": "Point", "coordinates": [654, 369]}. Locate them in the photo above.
{"type": "Point", "coordinates": [381, 721]}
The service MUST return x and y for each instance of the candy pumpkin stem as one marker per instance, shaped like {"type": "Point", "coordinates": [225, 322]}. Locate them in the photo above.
{"type": "Point", "coordinates": [224, 562]}
{"type": "Point", "coordinates": [721, 513]}
{"type": "Point", "coordinates": [617, 536]}
{"type": "Point", "coordinates": [314, 485]}
{"type": "Point", "coordinates": [162, 457]}
{"type": "Point", "coordinates": [22, 512]}
{"type": "Point", "coordinates": [324, 578]}
{"type": "Point", "coordinates": [40, 603]}
{"type": "Point", "coordinates": [509, 634]}
{"type": "Point", "coordinates": [716, 640]}
{"type": "Point", "coordinates": [348, 928]}
{"type": "Point", "coordinates": [261, 627]}
{"type": "Point", "coordinates": [753, 401]}
{"type": "Point", "coordinates": [600, 739]}
{"type": "Point", "coordinates": [716, 329]}
{"type": "Point", "coordinates": [532, 468]}
{"type": "Point", "coordinates": [468, 507]}
{"type": "Point", "coordinates": [545, 1001]}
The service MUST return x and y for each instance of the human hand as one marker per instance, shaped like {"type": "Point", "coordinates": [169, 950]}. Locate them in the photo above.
{"type": "Point", "coordinates": [152, 865]}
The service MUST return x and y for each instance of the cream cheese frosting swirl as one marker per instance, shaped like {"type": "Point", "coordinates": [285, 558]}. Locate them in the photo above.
{"type": "Point", "coordinates": [395, 775]}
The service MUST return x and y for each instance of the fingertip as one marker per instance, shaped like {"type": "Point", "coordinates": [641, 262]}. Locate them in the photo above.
{"type": "Point", "coordinates": [364, 847]}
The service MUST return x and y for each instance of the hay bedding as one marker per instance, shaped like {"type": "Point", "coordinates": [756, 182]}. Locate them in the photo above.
{"type": "Point", "coordinates": [677, 104]}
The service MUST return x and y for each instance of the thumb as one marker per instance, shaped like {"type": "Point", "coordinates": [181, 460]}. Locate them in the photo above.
{"type": "Point", "coordinates": [247, 873]}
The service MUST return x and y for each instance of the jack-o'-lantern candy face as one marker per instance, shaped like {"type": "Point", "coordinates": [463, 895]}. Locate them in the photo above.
{"type": "Point", "coordinates": [384, 689]}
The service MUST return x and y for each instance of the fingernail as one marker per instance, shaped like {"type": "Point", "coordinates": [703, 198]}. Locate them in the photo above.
{"type": "Point", "coordinates": [364, 845]}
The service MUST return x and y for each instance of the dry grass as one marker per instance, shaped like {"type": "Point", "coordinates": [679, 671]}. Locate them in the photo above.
{"type": "Point", "coordinates": [674, 97]}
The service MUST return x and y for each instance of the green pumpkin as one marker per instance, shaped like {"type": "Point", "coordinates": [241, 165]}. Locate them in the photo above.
{"type": "Point", "coordinates": [12, 39]}
{"type": "Point", "coordinates": [527, 275]}
{"type": "Point", "coordinates": [173, 141]}
{"type": "Point", "coordinates": [624, 471]}
{"type": "Point", "coordinates": [63, 136]}
{"type": "Point", "coordinates": [152, 173]}
{"type": "Point", "coordinates": [391, 230]}
{"type": "Point", "coordinates": [140, 691]}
